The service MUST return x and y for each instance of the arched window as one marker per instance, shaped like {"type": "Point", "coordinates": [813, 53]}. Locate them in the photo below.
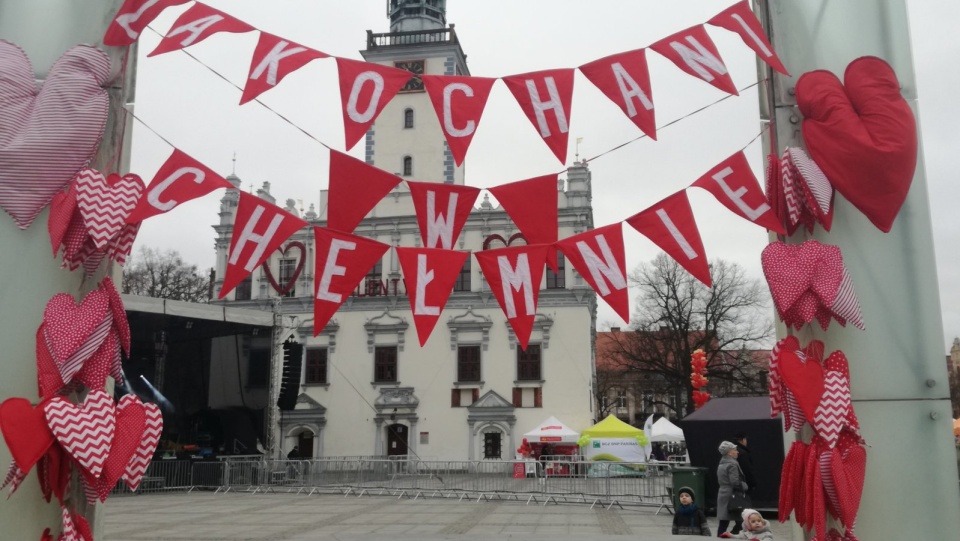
{"type": "Point", "coordinates": [407, 166]}
{"type": "Point", "coordinates": [407, 118]}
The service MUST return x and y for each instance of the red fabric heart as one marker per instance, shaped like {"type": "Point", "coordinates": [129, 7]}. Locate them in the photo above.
{"type": "Point", "coordinates": [71, 330]}
{"type": "Point", "coordinates": [153, 428]}
{"type": "Point", "coordinates": [863, 135]}
{"type": "Point", "coordinates": [46, 136]}
{"type": "Point", "coordinates": [804, 378]}
{"type": "Point", "coordinates": [791, 475]}
{"type": "Point", "coordinates": [25, 431]}
{"type": "Point", "coordinates": [53, 472]}
{"type": "Point", "coordinates": [849, 465]}
{"type": "Point", "coordinates": [105, 203]}
{"type": "Point", "coordinates": [85, 433]}
{"type": "Point", "coordinates": [836, 408]}
{"type": "Point", "coordinates": [131, 422]}
{"type": "Point", "coordinates": [120, 323]}
{"type": "Point", "coordinates": [94, 372]}
{"type": "Point", "coordinates": [283, 289]}
{"type": "Point", "coordinates": [802, 278]}
{"type": "Point", "coordinates": [61, 213]}
{"type": "Point", "coordinates": [48, 377]}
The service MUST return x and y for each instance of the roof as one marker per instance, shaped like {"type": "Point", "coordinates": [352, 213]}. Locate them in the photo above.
{"type": "Point", "coordinates": [214, 312]}
{"type": "Point", "coordinates": [726, 409]}
{"type": "Point", "coordinates": [552, 430]}
{"type": "Point", "coordinates": [611, 427]}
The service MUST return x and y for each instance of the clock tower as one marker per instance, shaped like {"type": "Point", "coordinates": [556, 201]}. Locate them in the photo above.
{"type": "Point", "coordinates": [406, 138]}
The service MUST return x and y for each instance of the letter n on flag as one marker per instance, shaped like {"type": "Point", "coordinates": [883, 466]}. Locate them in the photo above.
{"type": "Point", "coordinates": [532, 204]}
{"type": "Point", "coordinates": [342, 260]}
{"type": "Point", "coordinates": [197, 24]}
{"type": "Point", "coordinates": [459, 102]}
{"type": "Point", "coordinates": [180, 179]}
{"type": "Point", "coordinates": [355, 188]}
{"type": "Point", "coordinates": [260, 227]}
{"type": "Point", "coordinates": [429, 275]}
{"type": "Point", "coordinates": [545, 97]}
{"type": "Point", "coordinates": [671, 226]}
{"type": "Point", "coordinates": [693, 51]}
{"type": "Point", "coordinates": [365, 89]}
{"type": "Point", "coordinates": [441, 209]}
{"type": "Point", "coordinates": [514, 275]}
{"type": "Point", "coordinates": [732, 182]}
{"type": "Point", "coordinates": [273, 59]}
{"type": "Point", "coordinates": [625, 79]}
{"type": "Point", "coordinates": [598, 256]}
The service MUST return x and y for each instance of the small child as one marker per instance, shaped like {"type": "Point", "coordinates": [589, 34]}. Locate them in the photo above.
{"type": "Point", "coordinates": [689, 519]}
{"type": "Point", "coordinates": [755, 527]}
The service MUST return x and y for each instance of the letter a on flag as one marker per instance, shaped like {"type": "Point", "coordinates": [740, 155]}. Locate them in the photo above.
{"type": "Point", "coordinates": [429, 275]}
{"type": "Point", "coordinates": [670, 225]}
{"type": "Point", "coordinates": [365, 89]}
{"type": "Point", "coordinates": [342, 260]}
{"type": "Point", "coordinates": [441, 209]}
{"type": "Point", "coordinates": [599, 257]}
{"type": "Point", "coordinates": [732, 182]}
{"type": "Point", "coordinates": [624, 79]}
{"type": "Point", "coordinates": [514, 275]}
{"type": "Point", "coordinates": [197, 24]}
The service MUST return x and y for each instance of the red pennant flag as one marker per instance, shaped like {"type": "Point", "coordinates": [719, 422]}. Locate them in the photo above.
{"type": "Point", "coordinates": [355, 188]}
{"type": "Point", "coordinates": [260, 227]}
{"type": "Point", "coordinates": [365, 89]}
{"type": "Point", "coordinates": [740, 18]}
{"type": "Point", "coordinates": [441, 209]}
{"type": "Point", "coordinates": [598, 256]}
{"type": "Point", "coordinates": [459, 103]}
{"type": "Point", "coordinates": [532, 204]}
{"type": "Point", "coordinates": [341, 263]}
{"type": "Point", "coordinates": [545, 98]}
{"type": "Point", "coordinates": [273, 59]}
{"type": "Point", "coordinates": [197, 24]}
{"type": "Point", "coordinates": [514, 276]}
{"type": "Point", "coordinates": [732, 182]}
{"type": "Point", "coordinates": [180, 179]}
{"type": "Point", "coordinates": [693, 51]}
{"type": "Point", "coordinates": [429, 275]}
{"type": "Point", "coordinates": [671, 226]}
{"type": "Point", "coordinates": [132, 17]}
{"type": "Point", "coordinates": [624, 79]}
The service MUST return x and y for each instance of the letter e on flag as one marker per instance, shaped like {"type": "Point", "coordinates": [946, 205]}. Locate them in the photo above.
{"type": "Point", "coordinates": [342, 260]}
{"type": "Point", "coordinates": [732, 182]}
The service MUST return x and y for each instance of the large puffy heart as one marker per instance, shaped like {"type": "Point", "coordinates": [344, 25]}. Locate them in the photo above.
{"type": "Point", "coordinates": [46, 136]}
{"type": "Point", "coordinates": [74, 331]}
{"type": "Point", "coordinates": [283, 289]}
{"type": "Point", "coordinates": [86, 433]}
{"type": "Point", "coordinates": [105, 203]}
{"type": "Point", "coordinates": [804, 378]}
{"type": "Point", "coordinates": [802, 278]}
{"type": "Point", "coordinates": [863, 135]}
{"type": "Point", "coordinates": [153, 427]}
{"type": "Point", "coordinates": [131, 422]}
{"type": "Point", "coordinates": [25, 431]}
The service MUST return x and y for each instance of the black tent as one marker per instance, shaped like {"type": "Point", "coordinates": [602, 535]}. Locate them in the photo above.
{"type": "Point", "coordinates": [720, 419]}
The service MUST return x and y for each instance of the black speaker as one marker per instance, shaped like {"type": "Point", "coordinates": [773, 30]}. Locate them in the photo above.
{"type": "Point", "coordinates": [290, 379]}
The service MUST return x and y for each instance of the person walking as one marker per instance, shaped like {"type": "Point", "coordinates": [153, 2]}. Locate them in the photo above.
{"type": "Point", "coordinates": [730, 479]}
{"type": "Point", "coordinates": [745, 460]}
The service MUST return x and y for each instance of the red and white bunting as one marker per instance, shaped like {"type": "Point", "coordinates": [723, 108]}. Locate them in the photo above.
{"type": "Point", "coordinates": [197, 24]}
{"type": "Point", "coordinates": [740, 18]}
{"type": "Point", "coordinates": [180, 179]}
{"type": "Point", "coordinates": [545, 97]}
{"type": "Point", "coordinates": [733, 183]}
{"type": "Point", "coordinates": [671, 226]}
{"type": "Point", "coordinates": [693, 51]}
{"type": "Point", "coordinates": [532, 204]}
{"type": "Point", "coordinates": [365, 89]}
{"type": "Point", "coordinates": [355, 188]}
{"type": "Point", "coordinates": [260, 227]}
{"type": "Point", "coordinates": [132, 17]}
{"type": "Point", "coordinates": [598, 255]}
{"type": "Point", "coordinates": [625, 79]}
{"type": "Point", "coordinates": [441, 209]}
{"type": "Point", "coordinates": [459, 123]}
{"type": "Point", "coordinates": [514, 275]}
{"type": "Point", "coordinates": [429, 275]}
{"type": "Point", "coordinates": [342, 261]}
{"type": "Point", "coordinates": [273, 59]}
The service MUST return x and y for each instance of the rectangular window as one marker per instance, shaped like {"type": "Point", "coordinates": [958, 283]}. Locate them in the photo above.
{"type": "Point", "coordinates": [621, 399]}
{"type": "Point", "coordinates": [491, 445]}
{"type": "Point", "coordinates": [244, 288]}
{"type": "Point", "coordinates": [316, 372]}
{"type": "Point", "coordinates": [463, 279]}
{"type": "Point", "coordinates": [287, 268]}
{"type": "Point", "coordinates": [385, 364]}
{"type": "Point", "coordinates": [528, 363]}
{"type": "Point", "coordinates": [468, 363]}
{"type": "Point", "coordinates": [557, 280]}
{"type": "Point", "coordinates": [372, 283]}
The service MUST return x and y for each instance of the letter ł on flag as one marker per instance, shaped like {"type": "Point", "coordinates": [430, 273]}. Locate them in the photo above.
{"type": "Point", "coordinates": [532, 204]}
{"type": "Point", "coordinates": [355, 188]}
{"type": "Point", "coordinates": [273, 59]}
{"type": "Point", "coordinates": [740, 18]}
{"type": "Point", "coordinates": [441, 210]}
{"type": "Point", "coordinates": [342, 260]}
{"type": "Point", "coordinates": [514, 275]}
{"type": "Point", "coordinates": [693, 51]}
{"type": "Point", "coordinates": [671, 226]}
{"type": "Point", "coordinates": [429, 275]}
{"type": "Point", "coordinates": [180, 179]}
{"type": "Point", "coordinates": [197, 24]}
{"type": "Point", "coordinates": [132, 17]}
{"type": "Point", "coordinates": [459, 103]}
{"type": "Point", "coordinates": [365, 89]}
{"type": "Point", "coordinates": [599, 257]}
{"type": "Point", "coordinates": [733, 184]}
{"type": "Point", "coordinates": [260, 227]}
{"type": "Point", "coordinates": [625, 79]}
{"type": "Point", "coordinates": [545, 98]}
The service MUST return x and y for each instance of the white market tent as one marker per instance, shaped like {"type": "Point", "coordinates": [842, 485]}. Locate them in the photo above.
{"type": "Point", "coordinates": [552, 431]}
{"type": "Point", "coordinates": [664, 430]}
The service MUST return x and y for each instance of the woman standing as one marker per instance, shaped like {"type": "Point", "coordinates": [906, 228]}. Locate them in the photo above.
{"type": "Point", "coordinates": [730, 479]}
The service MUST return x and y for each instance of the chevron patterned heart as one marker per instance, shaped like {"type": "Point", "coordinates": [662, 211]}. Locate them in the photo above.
{"type": "Point", "coordinates": [105, 203]}
{"type": "Point", "coordinates": [835, 405]}
{"type": "Point", "coordinates": [69, 531]}
{"type": "Point", "coordinates": [122, 245]}
{"type": "Point", "coordinates": [131, 423]}
{"type": "Point", "coordinates": [148, 444]}
{"type": "Point", "coordinates": [14, 477]}
{"type": "Point", "coordinates": [86, 433]}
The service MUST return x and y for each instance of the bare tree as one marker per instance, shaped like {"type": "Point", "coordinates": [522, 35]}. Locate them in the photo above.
{"type": "Point", "coordinates": [165, 275]}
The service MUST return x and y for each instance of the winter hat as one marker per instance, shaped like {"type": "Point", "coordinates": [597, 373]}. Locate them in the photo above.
{"type": "Point", "coordinates": [688, 491]}
{"type": "Point", "coordinates": [726, 446]}
{"type": "Point", "coordinates": [746, 517]}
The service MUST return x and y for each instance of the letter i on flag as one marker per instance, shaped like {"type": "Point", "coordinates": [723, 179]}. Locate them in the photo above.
{"type": "Point", "coordinates": [514, 276]}
{"type": "Point", "coordinates": [429, 275]}
{"type": "Point", "coordinates": [671, 226]}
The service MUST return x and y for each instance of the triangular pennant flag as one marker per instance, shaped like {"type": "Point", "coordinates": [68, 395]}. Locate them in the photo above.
{"type": "Point", "coordinates": [514, 275]}
{"type": "Point", "coordinates": [532, 204]}
{"type": "Point", "coordinates": [273, 59]}
{"type": "Point", "coordinates": [355, 188]}
{"type": "Point", "coordinates": [260, 227]}
{"type": "Point", "coordinates": [342, 261]}
{"type": "Point", "coordinates": [732, 182]}
{"type": "Point", "coordinates": [197, 24]}
{"type": "Point", "coordinates": [429, 275]}
{"type": "Point", "coordinates": [459, 103]}
{"type": "Point", "coordinates": [545, 98]}
{"type": "Point", "coordinates": [625, 79]}
{"type": "Point", "coordinates": [441, 209]}
{"type": "Point", "coordinates": [740, 18]}
{"type": "Point", "coordinates": [365, 89]}
{"type": "Point", "coordinates": [693, 51]}
{"type": "Point", "coordinates": [671, 226]}
{"type": "Point", "coordinates": [132, 17]}
{"type": "Point", "coordinates": [180, 179]}
{"type": "Point", "coordinates": [598, 256]}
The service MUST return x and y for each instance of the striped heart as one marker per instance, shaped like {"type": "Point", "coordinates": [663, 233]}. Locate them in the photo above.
{"type": "Point", "coordinates": [148, 444]}
{"type": "Point", "coordinates": [46, 136]}
{"type": "Point", "coordinates": [74, 332]}
{"type": "Point", "coordinates": [105, 203]}
{"type": "Point", "coordinates": [131, 423]}
{"type": "Point", "coordinates": [836, 408]}
{"type": "Point", "coordinates": [86, 433]}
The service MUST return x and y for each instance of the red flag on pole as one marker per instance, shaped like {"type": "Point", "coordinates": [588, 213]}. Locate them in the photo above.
{"type": "Point", "coordinates": [459, 103]}
{"type": "Point", "coordinates": [732, 182]}
{"type": "Point", "coordinates": [671, 226]}
{"type": "Point", "coordinates": [342, 261]}
{"type": "Point", "coordinates": [624, 79]}
{"type": "Point", "coordinates": [429, 275]}
{"type": "Point", "coordinates": [197, 24]}
{"type": "Point", "coordinates": [365, 89]}
{"type": "Point", "coordinates": [273, 59]}
{"type": "Point", "coordinates": [545, 98]}
{"type": "Point", "coordinates": [740, 18]}
{"type": "Point", "coordinates": [355, 188]}
{"type": "Point", "coordinates": [599, 257]}
{"type": "Point", "coordinates": [693, 51]}
{"type": "Point", "coordinates": [180, 179]}
{"type": "Point", "coordinates": [532, 204]}
{"type": "Point", "coordinates": [514, 276]}
{"type": "Point", "coordinates": [441, 209]}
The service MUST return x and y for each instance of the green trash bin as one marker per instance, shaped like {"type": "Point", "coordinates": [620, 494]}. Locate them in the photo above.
{"type": "Point", "coordinates": [693, 478]}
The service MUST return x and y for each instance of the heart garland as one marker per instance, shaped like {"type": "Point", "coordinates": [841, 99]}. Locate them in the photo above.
{"type": "Point", "coordinates": [153, 428]}
{"type": "Point", "coordinates": [287, 287]}
{"type": "Point", "coordinates": [87, 432]}
{"type": "Point", "coordinates": [799, 191]}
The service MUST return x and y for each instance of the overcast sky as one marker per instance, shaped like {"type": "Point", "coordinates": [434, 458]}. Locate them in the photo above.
{"type": "Point", "coordinates": [197, 111]}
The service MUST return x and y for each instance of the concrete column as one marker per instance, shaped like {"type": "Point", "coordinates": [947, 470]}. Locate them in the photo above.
{"type": "Point", "coordinates": [378, 439]}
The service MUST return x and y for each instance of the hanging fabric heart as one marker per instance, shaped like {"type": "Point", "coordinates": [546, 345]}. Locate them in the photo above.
{"type": "Point", "coordinates": [836, 408]}
{"type": "Point", "coordinates": [790, 476]}
{"type": "Point", "coordinates": [286, 287]}
{"type": "Point", "coordinates": [131, 423]}
{"type": "Point", "coordinates": [86, 433]}
{"type": "Point", "coordinates": [105, 202]}
{"type": "Point", "coordinates": [804, 378]}
{"type": "Point", "coordinates": [153, 427]}
{"type": "Point", "coordinates": [25, 431]}
{"type": "Point", "coordinates": [14, 477]}
{"type": "Point", "coordinates": [848, 465]}
{"type": "Point", "coordinates": [62, 207]}
{"type": "Point", "coordinates": [73, 332]}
